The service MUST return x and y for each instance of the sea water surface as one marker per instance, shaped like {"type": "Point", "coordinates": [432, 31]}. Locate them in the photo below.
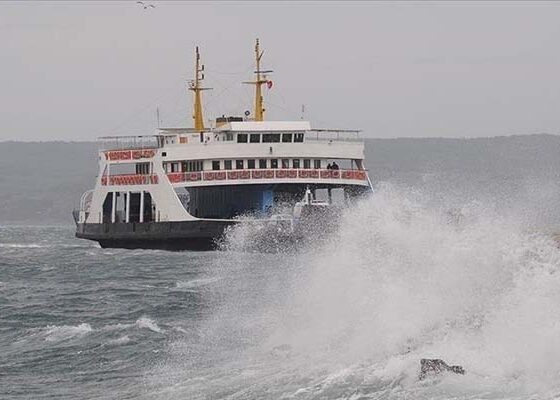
{"type": "Point", "coordinates": [348, 317]}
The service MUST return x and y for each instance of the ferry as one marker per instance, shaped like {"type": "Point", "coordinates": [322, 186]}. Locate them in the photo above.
{"type": "Point", "coordinates": [182, 188]}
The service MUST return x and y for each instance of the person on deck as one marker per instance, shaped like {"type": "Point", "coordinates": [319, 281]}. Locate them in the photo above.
{"type": "Point", "coordinates": [334, 165]}
{"type": "Point", "coordinates": [329, 166]}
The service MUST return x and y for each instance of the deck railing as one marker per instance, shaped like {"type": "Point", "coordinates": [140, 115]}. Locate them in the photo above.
{"type": "Point", "coordinates": [129, 179]}
{"type": "Point", "coordinates": [136, 154]}
{"type": "Point", "coordinates": [239, 175]}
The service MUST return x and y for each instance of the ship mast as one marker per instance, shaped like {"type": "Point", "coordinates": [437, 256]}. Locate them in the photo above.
{"type": "Point", "coordinates": [258, 82]}
{"type": "Point", "coordinates": [194, 85]}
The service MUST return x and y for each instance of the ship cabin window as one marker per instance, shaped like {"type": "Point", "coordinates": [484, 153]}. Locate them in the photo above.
{"type": "Point", "coordinates": [192, 166]}
{"type": "Point", "coordinates": [306, 163]}
{"type": "Point", "coordinates": [295, 163]}
{"type": "Point", "coordinates": [262, 163]}
{"type": "Point", "coordinates": [286, 138]}
{"type": "Point", "coordinates": [142, 168]}
{"type": "Point", "coordinates": [227, 164]}
{"type": "Point", "coordinates": [271, 138]}
{"type": "Point", "coordinates": [229, 137]}
{"type": "Point", "coordinates": [175, 167]}
{"type": "Point", "coordinates": [238, 164]}
{"type": "Point", "coordinates": [298, 138]}
{"type": "Point", "coordinates": [274, 163]}
{"type": "Point", "coordinates": [255, 138]}
{"type": "Point", "coordinates": [285, 163]}
{"type": "Point", "coordinates": [251, 164]}
{"type": "Point", "coordinates": [317, 164]}
{"type": "Point", "coordinates": [241, 138]}
{"type": "Point", "coordinates": [215, 165]}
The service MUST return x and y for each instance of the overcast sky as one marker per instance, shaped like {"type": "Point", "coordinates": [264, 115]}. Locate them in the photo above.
{"type": "Point", "coordinates": [78, 70]}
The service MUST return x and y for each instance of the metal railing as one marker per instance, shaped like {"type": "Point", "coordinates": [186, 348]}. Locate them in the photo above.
{"type": "Point", "coordinates": [237, 175]}
{"type": "Point", "coordinates": [129, 179]}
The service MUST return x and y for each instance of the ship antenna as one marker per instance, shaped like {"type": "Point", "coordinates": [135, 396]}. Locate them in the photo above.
{"type": "Point", "coordinates": [258, 82]}
{"type": "Point", "coordinates": [194, 85]}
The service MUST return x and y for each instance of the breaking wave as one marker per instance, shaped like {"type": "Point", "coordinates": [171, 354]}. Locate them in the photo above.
{"type": "Point", "coordinates": [402, 279]}
{"type": "Point", "coordinates": [147, 323]}
{"type": "Point", "coordinates": [53, 333]}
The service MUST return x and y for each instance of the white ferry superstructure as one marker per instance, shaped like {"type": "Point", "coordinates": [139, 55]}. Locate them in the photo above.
{"type": "Point", "coordinates": [180, 188]}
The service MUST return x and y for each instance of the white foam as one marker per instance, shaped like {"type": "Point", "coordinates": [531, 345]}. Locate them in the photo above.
{"type": "Point", "coordinates": [55, 333]}
{"type": "Point", "coordinates": [147, 323]}
{"type": "Point", "coordinates": [119, 341]}
{"type": "Point", "coordinates": [23, 245]}
{"type": "Point", "coordinates": [402, 280]}
{"type": "Point", "coordinates": [196, 283]}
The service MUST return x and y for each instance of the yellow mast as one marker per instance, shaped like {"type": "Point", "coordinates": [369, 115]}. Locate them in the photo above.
{"type": "Point", "coordinates": [195, 87]}
{"type": "Point", "coordinates": [258, 82]}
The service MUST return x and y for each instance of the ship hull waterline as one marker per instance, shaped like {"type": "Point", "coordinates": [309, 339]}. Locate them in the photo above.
{"type": "Point", "coordinates": [200, 235]}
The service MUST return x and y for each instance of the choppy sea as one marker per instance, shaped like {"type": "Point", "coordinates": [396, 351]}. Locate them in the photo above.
{"type": "Point", "coordinates": [349, 317]}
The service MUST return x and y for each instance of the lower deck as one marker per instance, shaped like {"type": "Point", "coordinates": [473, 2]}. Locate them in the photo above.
{"type": "Point", "coordinates": [226, 202]}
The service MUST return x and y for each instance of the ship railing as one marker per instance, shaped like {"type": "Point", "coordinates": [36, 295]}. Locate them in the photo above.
{"type": "Point", "coordinates": [129, 179]}
{"type": "Point", "coordinates": [138, 142]}
{"type": "Point", "coordinates": [333, 135]}
{"type": "Point", "coordinates": [81, 214]}
{"type": "Point", "coordinates": [265, 174]}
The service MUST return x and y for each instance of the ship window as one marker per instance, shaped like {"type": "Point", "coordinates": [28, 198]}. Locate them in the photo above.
{"type": "Point", "coordinates": [262, 163]}
{"type": "Point", "coordinates": [274, 163]}
{"type": "Point", "coordinates": [317, 164]}
{"type": "Point", "coordinates": [285, 163]}
{"type": "Point", "coordinates": [241, 138]}
{"type": "Point", "coordinates": [286, 138]}
{"type": "Point", "coordinates": [238, 164]}
{"type": "Point", "coordinates": [255, 138]}
{"type": "Point", "coordinates": [251, 164]}
{"type": "Point", "coordinates": [306, 163]}
{"type": "Point", "coordinates": [193, 166]}
{"type": "Point", "coordinates": [142, 168]}
{"type": "Point", "coordinates": [298, 138]}
{"type": "Point", "coordinates": [229, 136]}
{"type": "Point", "coordinates": [271, 138]}
{"type": "Point", "coordinates": [295, 163]}
{"type": "Point", "coordinates": [175, 167]}
{"type": "Point", "coordinates": [227, 164]}
{"type": "Point", "coordinates": [215, 165]}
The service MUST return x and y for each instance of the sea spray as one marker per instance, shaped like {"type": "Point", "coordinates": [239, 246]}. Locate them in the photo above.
{"type": "Point", "coordinates": [401, 280]}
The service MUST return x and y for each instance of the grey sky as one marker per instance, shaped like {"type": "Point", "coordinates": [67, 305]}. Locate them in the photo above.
{"type": "Point", "coordinates": [75, 71]}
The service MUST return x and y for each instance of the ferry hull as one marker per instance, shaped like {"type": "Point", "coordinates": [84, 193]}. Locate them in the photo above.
{"type": "Point", "coordinates": [182, 235]}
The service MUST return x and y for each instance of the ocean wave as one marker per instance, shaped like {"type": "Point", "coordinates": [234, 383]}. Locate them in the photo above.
{"type": "Point", "coordinates": [23, 246]}
{"type": "Point", "coordinates": [147, 323]}
{"type": "Point", "coordinates": [196, 283]}
{"type": "Point", "coordinates": [119, 341]}
{"type": "Point", "coordinates": [401, 280]}
{"type": "Point", "coordinates": [54, 333]}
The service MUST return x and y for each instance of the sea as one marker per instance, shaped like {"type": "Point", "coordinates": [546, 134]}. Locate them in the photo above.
{"type": "Point", "coordinates": [456, 265]}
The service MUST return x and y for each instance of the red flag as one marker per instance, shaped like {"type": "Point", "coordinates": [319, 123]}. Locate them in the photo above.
{"type": "Point", "coordinates": [269, 84]}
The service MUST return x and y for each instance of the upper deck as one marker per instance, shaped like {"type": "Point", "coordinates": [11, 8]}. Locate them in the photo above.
{"type": "Point", "coordinates": [239, 139]}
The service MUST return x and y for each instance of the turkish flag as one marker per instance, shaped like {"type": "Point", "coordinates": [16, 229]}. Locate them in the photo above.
{"type": "Point", "coordinates": [269, 84]}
